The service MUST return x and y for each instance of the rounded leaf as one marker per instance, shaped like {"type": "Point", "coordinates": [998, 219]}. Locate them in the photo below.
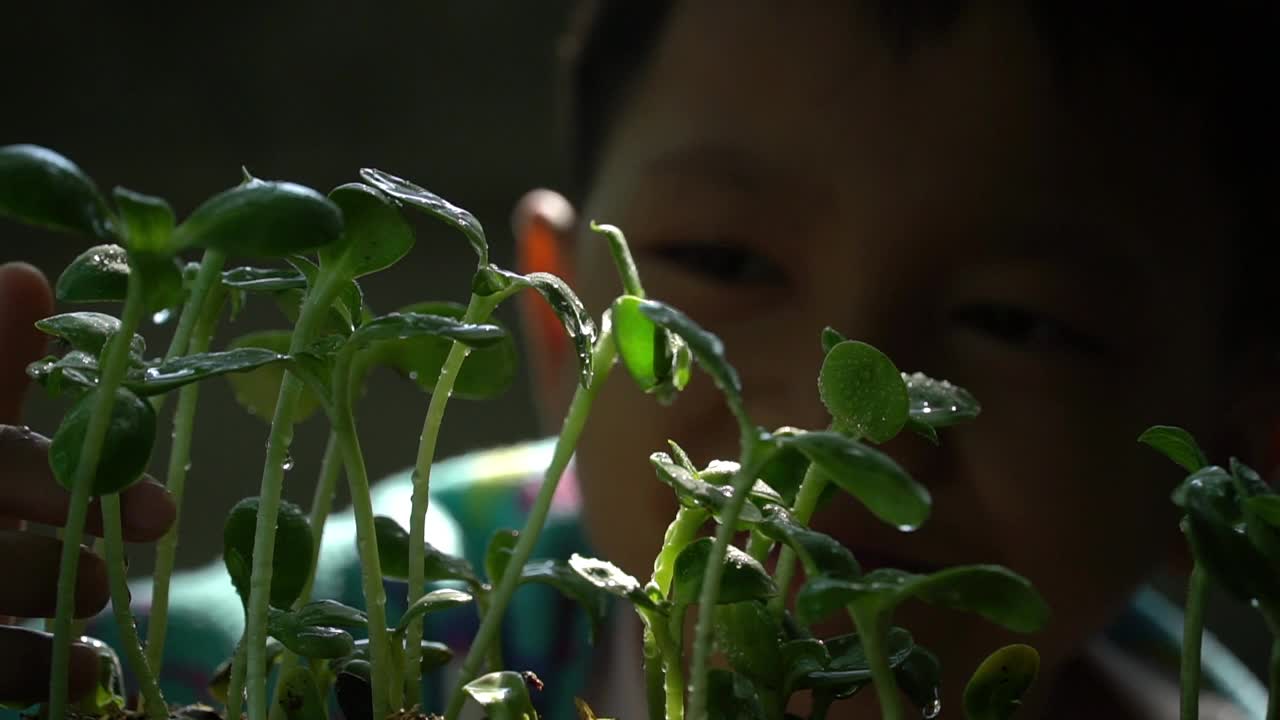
{"type": "Point", "coordinates": [126, 448]}
{"type": "Point", "coordinates": [863, 391]}
{"type": "Point", "coordinates": [87, 332]}
{"type": "Point", "coordinates": [434, 205]}
{"type": "Point", "coordinates": [996, 688]}
{"type": "Point", "coordinates": [819, 553]}
{"type": "Point", "coordinates": [693, 492]}
{"type": "Point", "coordinates": [434, 601]}
{"type": "Point", "coordinates": [99, 274]}
{"type": "Point", "coordinates": [744, 578]}
{"type": "Point", "coordinates": [262, 219]}
{"type": "Point", "coordinates": [497, 554]}
{"type": "Point", "coordinates": [1176, 444]}
{"type": "Point", "coordinates": [503, 695]}
{"type": "Point", "coordinates": [611, 579]}
{"type": "Point", "coordinates": [147, 221]}
{"type": "Point", "coordinates": [299, 696]}
{"type": "Point", "coordinates": [253, 279]}
{"type": "Point", "coordinates": [561, 576]}
{"type": "Point", "coordinates": [331, 612]}
{"type": "Point", "coordinates": [938, 403]}
{"type": "Point", "coordinates": [658, 360]}
{"type": "Point", "coordinates": [573, 315]}
{"type": "Point", "coordinates": [40, 187]}
{"type": "Point", "coordinates": [291, 561]}
{"type": "Point", "coordinates": [919, 676]}
{"type": "Point", "coordinates": [393, 548]}
{"type": "Point", "coordinates": [170, 374]}
{"type": "Point", "coordinates": [375, 235]}
{"type": "Point", "coordinates": [258, 389]}
{"type": "Point", "coordinates": [869, 475]}
{"type": "Point", "coordinates": [749, 635]}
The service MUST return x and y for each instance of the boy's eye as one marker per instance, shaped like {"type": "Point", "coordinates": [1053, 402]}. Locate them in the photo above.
{"type": "Point", "coordinates": [722, 263]}
{"type": "Point", "coordinates": [1025, 329]}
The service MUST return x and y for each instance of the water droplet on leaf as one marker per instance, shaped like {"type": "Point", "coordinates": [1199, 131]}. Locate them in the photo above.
{"type": "Point", "coordinates": [287, 465]}
{"type": "Point", "coordinates": [932, 710]}
{"type": "Point", "coordinates": [162, 316]}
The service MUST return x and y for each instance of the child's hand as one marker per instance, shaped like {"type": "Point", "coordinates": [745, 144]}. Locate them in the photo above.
{"type": "Point", "coordinates": [28, 492]}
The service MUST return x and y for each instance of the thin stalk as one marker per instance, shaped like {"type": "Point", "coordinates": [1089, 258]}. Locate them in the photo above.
{"type": "Point", "coordinates": [751, 461]}
{"type": "Point", "coordinates": [622, 259]}
{"type": "Point", "coordinates": [235, 688]}
{"type": "Point", "coordinates": [386, 692]}
{"type": "Point", "coordinates": [672, 664]}
{"type": "Point", "coordinates": [264, 539]}
{"type": "Point", "coordinates": [664, 671]}
{"type": "Point", "coordinates": [195, 338]}
{"type": "Point", "coordinates": [1273, 680]}
{"type": "Point", "coordinates": [321, 504]}
{"type": "Point", "coordinates": [478, 310]}
{"type": "Point", "coordinates": [602, 359]}
{"type": "Point", "coordinates": [654, 683]}
{"type": "Point", "coordinates": [806, 503]}
{"type": "Point", "coordinates": [1192, 631]}
{"type": "Point", "coordinates": [118, 578]}
{"type": "Point", "coordinates": [874, 632]}
{"type": "Point", "coordinates": [114, 365]}
{"type": "Point", "coordinates": [682, 531]}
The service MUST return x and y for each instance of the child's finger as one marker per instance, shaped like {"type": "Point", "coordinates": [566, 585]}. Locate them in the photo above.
{"type": "Point", "coordinates": [28, 491]}
{"type": "Point", "coordinates": [24, 666]}
{"type": "Point", "coordinates": [29, 563]}
{"type": "Point", "coordinates": [25, 297]}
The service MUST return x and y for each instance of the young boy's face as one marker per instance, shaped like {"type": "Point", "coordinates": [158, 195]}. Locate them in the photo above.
{"type": "Point", "coordinates": [1055, 248]}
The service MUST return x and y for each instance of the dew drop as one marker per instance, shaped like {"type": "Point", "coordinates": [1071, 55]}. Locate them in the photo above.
{"type": "Point", "coordinates": [287, 465]}
{"type": "Point", "coordinates": [413, 375]}
{"type": "Point", "coordinates": [162, 316]}
{"type": "Point", "coordinates": [931, 711]}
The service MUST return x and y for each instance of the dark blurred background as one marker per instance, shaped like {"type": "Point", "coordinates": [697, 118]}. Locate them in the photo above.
{"type": "Point", "coordinates": [461, 97]}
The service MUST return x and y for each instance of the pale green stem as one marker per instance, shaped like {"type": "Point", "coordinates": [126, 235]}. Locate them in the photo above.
{"type": "Point", "coordinates": [278, 440]}
{"type": "Point", "coordinates": [752, 460]}
{"type": "Point", "coordinates": [118, 578]}
{"type": "Point", "coordinates": [806, 503]}
{"type": "Point", "coordinates": [321, 504]}
{"type": "Point", "coordinates": [478, 310]}
{"type": "Point", "coordinates": [655, 691]}
{"type": "Point", "coordinates": [602, 360]}
{"type": "Point", "coordinates": [1192, 632]}
{"type": "Point", "coordinates": [663, 660]}
{"type": "Point", "coordinates": [874, 633]}
{"type": "Point", "coordinates": [195, 337]}
{"type": "Point", "coordinates": [235, 688]}
{"type": "Point", "coordinates": [114, 365]}
{"type": "Point", "coordinates": [682, 531]}
{"type": "Point", "coordinates": [622, 259]}
{"type": "Point", "coordinates": [386, 692]}
{"type": "Point", "coordinates": [672, 663]}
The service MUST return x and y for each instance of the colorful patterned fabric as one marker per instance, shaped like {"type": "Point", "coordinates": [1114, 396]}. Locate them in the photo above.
{"type": "Point", "coordinates": [475, 496]}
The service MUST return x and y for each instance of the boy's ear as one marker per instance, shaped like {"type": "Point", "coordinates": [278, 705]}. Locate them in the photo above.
{"type": "Point", "coordinates": [543, 224]}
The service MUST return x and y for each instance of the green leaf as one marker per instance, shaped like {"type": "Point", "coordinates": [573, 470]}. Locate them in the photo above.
{"type": "Point", "coordinates": [1219, 542]}
{"type": "Point", "coordinates": [847, 670]}
{"type": "Point", "coordinates": [497, 554]}
{"type": "Point", "coordinates": [731, 696]}
{"type": "Point", "coordinates": [749, 634]}
{"type": "Point", "coordinates": [434, 205]}
{"type": "Point", "coordinates": [87, 331]}
{"type": "Point", "coordinates": [995, 691]}
{"type": "Point", "coordinates": [819, 553]}
{"type": "Point", "coordinates": [611, 579]}
{"type": "Point", "coordinates": [148, 221]}
{"type": "Point", "coordinates": [658, 360]}
{"type": "Point", "coordinates": [99, 274]}
{"type": "Point", "coordinates": [938, 403]}
{"type": "Point", "coordinates": [1266, 508]}
{"type": "Point", "coordinates": [872, 477]}
{"type": "Point", "coordinates": [258, 390]}
{"type": "Point", "coordinates": [434, 655]}
{"type": "Point", "coordinates": [801, 658]}
{"type": "Point", "coordinates": [578, 325]}
{"type": "Point", "coordinates": [503, 695]}
{"type": "Point", "coordinates": [262, 219]}
{"type": "Point", "coordinates": [162, 286]}
{"type": "Point", "coordinates": [252, 279]}
{"type": "Point", "coordinates": [393, 547]}
{"type": "Point", "coordinates": [353, 691]}
{"type": "Point", "coordinates": [722, 472]}
{"type": "Point", "coordinates": [784, 471]}
{"type": "Point", "coordinates": [291, 558]}
{"type": "Point", "coordinates": [863, 391]}
{"type": "Point", "coordinates": [375, 235]}
{"type": "Point", "coordinates": [434, 601]}
{"type": "Point", "coordinates": [109, 694]}
{"type": "Point", "coordinates": [309, 641]}
{"type": "Point", "coordinates": [487, 373]}
{"type": "Point", "coordinates": [168, 375]}
{"type": "Point", "coordinates": [743, 578]}
{"type": "Point", "coordinates": [345, 313]}
{"type": "Point", "coordinates": [126, 448]}
{"type": "Point", "coordinates": [1176, 444]}
{"type": "Point", "coordinates": [299, 697]}
{"type": "Point", "coordinates": [405, 326]}
{"type": "Point", "coordinates": [74, 372]}
{"type": "Point", "coordinates": [693, 492]}
{"type": "Point", "coordinates": [333, 613]}
{"type": "Point", "coordinates": [831, 338]}
{"type": "Point", "coordinates": [40, 187]}
{"type": "Point", "coordinates": [990, 591]}
{"type": "Point", "coordinates": [561, 576]}
{"type": "Point", "coordinates": [919, 676]}
{"type": "Point", "coordinates": [707, 349]}
{"type": "Point", "coordinates": [221, 679]}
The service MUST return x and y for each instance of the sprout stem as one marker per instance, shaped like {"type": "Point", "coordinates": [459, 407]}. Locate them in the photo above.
{"type": "Point", "coordinates": [682, 531]}
{"type": "Point", "coordinates": [235, 687]}
{"type": "Point", "coordinates": [1192, 630]}
{"type": "Point", "coordinates": [806, 503]}
{"type": "Point", "coordinates": [873, 630]}
{"type": "Point", "coordinates": [672, 663]}
{"type": "Point", "coordinates": [114, 365]}
{"type": "Point", "coordinates": [1273, 689]}
{"type": "Point", "coordinates": [193, 336]}
{"type": "Point", "coordinates": [603, 357]}
{"type": "Point", "coordinates": [280, 437]}
{"type": "Point", "coordinates": [753, 457]}
{"type": "Point", "coordinates": [622, 258]}
{"type": "Point", "coordinates": [654, 678]}
{"type": "Point", "coordinates": [387, 692]}
{"type": "Point", "coordinates": [117, 575]}
{"type": "Point", "coordinates": [478, 310]}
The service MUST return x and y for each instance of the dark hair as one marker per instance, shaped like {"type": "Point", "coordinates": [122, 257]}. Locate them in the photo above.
{"type": "Point", "coordinates": [1217, 58]}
